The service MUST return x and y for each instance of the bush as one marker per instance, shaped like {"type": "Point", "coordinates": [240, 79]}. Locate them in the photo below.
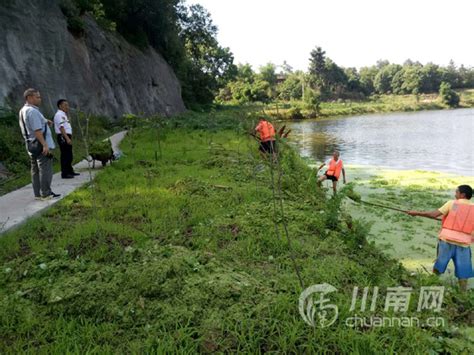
{"type": "Point", "coordinates": [448, 95]}
{"type": "Point", "coordinates": [312, 100]}
{"type": "Point", "coordinates": [12, 147]}
{"type": "Point", "coordinates": [295, 113]}
{"type": "Point", "coordinates": [75, 25]}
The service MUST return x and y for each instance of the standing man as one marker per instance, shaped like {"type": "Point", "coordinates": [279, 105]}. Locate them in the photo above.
{"type": "Point", "coordinates": [266, 133]}
{"type": "Point", "coordinates": [456, 234]}
{"type": "Point", "coordinates": [63, 130]}
{"type": "Point", "coordinates": [333, 172]}
{"type": "Point", "coordinates": [39, 143]}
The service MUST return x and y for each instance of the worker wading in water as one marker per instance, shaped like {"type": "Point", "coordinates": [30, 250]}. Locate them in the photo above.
{"type": "Point", "coordinates": [334, 169]}
{"type": "Point", "coordinates": [456, 235]}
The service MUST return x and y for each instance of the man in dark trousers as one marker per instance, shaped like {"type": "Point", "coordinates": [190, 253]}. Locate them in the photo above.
{"type": "Point", "coordinates": [335, 167]}
{"type": "Point", "coordinates": [39, 143]}
{"type": "Point", "coordinates": [63, 130]}
{"type": "Point", "coordinates": [266, 133]}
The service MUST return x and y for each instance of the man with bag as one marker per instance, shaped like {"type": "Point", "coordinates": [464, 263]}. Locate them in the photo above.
{"type": "Point", "coordinates": [39, 143]}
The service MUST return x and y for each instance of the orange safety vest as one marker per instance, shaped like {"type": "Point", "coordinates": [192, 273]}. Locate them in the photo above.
{"type": "Point", "coordinates": [266, 131]}
{"type": "Point", "coordinates": [458, 224]}
{"type": "Point", "coordinates": [334, 168]}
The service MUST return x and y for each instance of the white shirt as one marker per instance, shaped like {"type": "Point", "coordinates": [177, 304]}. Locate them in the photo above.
{"type": "Point", "coordinates": [61, 120]}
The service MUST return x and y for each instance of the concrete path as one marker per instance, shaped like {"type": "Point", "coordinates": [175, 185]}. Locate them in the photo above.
{"type": "Point", "coordinates": [17, 206]}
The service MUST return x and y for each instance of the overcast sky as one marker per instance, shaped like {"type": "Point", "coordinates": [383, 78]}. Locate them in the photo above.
{"type": "Point", "coordinates": [353, 33]}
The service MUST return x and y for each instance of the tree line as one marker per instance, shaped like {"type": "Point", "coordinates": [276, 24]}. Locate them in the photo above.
{"type": "Point", "coordinates": [328, 81]}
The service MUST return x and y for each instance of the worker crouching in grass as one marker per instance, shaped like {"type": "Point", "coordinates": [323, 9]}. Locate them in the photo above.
{"type": "Point", "coordinates": [266, 133]}
{"type": "Point", "coordinates": [456, 235]}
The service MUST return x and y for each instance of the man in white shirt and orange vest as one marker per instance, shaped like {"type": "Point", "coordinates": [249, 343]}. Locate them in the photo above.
{"type": "Point", "coordinates": [335, 167]}
{"type": "Point", "coordinates": [456, 235]}
{"type": "Point", "coordinates": [266, 133]}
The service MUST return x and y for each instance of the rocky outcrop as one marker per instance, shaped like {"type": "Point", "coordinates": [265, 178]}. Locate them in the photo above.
{"type": "Point", "coordinates": [99, 72]}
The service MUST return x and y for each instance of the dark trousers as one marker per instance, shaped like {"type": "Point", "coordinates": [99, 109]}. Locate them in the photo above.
{"type": "Point", "coordinates": [41, 174]}
{"type": "Point", "coordinates": [66, 156]}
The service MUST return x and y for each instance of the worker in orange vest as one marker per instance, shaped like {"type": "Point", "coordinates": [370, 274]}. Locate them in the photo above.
{"type": "Point", "coordinates": [266, 133]}
{"type": "Point", "coordinates": [335, 167]}
{"type": "Point", "coordinates": [456, 235]}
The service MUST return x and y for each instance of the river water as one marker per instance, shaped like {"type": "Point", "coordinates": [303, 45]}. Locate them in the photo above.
{"type": "Point", "coordinates": [428, 140]}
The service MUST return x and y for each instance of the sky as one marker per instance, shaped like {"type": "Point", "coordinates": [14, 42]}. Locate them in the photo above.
{"type": "Point", "coordinates": [354, 33]}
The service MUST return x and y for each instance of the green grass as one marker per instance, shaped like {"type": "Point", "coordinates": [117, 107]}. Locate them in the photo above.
{"type": "Point", "coordinates": [179, 252]}
{"type": "Point", "coordinates": [374, 104]}
{"type": "Point", "coordinates": [15, 158]}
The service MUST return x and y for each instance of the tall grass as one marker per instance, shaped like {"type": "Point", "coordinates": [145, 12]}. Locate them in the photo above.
{"type": "Point", "coordinates": [183, 257]}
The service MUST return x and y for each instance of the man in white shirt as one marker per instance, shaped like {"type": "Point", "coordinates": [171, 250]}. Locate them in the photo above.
{"type": "Point", "coordinates": [63, 130]}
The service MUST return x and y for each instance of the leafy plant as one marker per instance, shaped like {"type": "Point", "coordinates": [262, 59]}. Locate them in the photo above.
{"type": "Point", "coordinates": [448, 95]}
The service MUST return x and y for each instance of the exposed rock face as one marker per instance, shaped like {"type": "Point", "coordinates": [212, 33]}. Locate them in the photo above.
{"type": "Point", "coordinates": [99, 73]}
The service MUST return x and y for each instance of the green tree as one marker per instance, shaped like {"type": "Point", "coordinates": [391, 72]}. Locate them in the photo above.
{"type": "Point", "coordinates": [412, 79]}
{"type": "Point", "coordinates": [241, 91]}
{"type": "Point", "coordinates": [448, 95]}
{"type": "Point", "coordinates": [335, 78]}
{"type": "Point", "coordinates": [408, 80]}
{"type": "Point", "coordinates": [261, 91]}
{"type": "Point", "coordinates": [367, 78]}
{"type": "Point", "coordinates": [245, 73]}
{"type": "Point", "coordinates": [354, 83]}
{"type": "Point", "coordinates": [292, 87]}
{"type": "Point", "coordinates": [210, 66]}
{"type": "Point", "coordinates": [430, 78]}
{"type": "Point", "coordinates": [268, 73]}
{"type": "Point", "coordinates": [383, 79]}
{"type": "Point", "coordinates": [451, 75]}
{"type": "Point", "coordinates": [317, 68]}
{"type": "Point", "coordinates": [286, 69]}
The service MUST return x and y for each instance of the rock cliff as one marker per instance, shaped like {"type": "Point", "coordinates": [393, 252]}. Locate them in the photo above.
{"type": "Point", "coordinates": [98, 72]}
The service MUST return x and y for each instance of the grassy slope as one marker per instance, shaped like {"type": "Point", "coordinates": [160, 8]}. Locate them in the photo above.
{"type": "Point", "coordinates": [376, 104]}
{"type": "Point", "coordinates": [182, 253]}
